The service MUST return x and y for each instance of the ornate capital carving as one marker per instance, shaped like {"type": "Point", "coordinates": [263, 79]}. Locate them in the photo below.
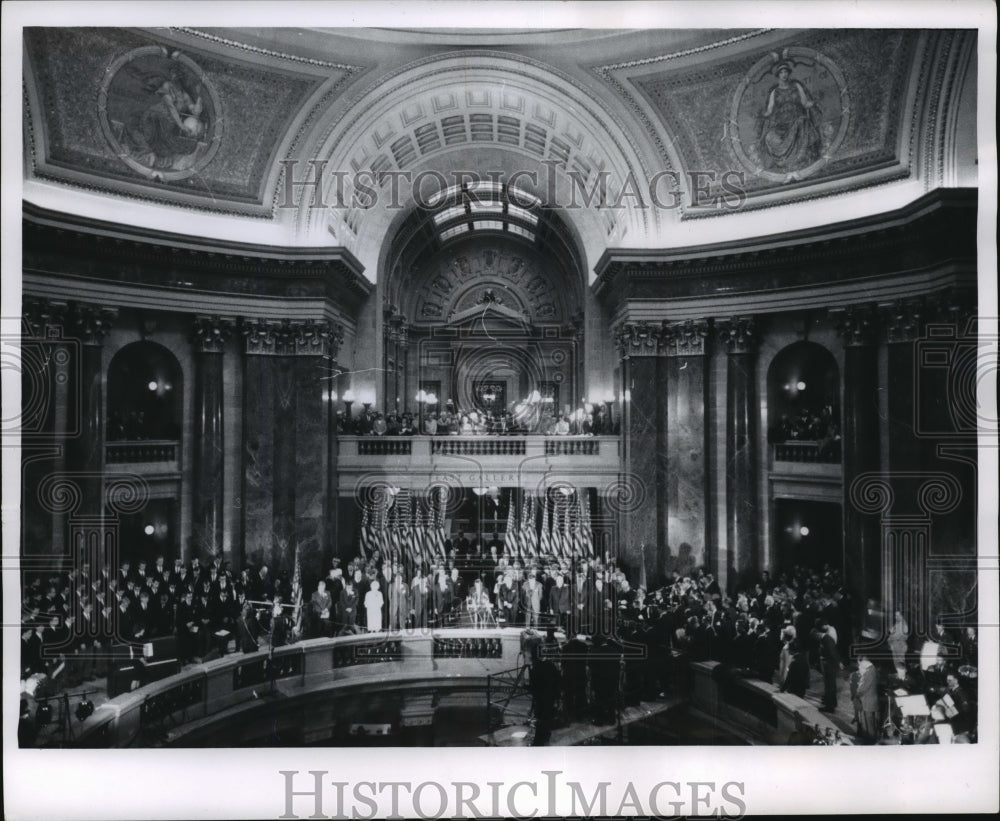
{"type": "Point", "coordinates": [639, 339]}
{"type": "Point", "coordinates": [686, 338]}
{"type": "Point", "coordinates": [211, 333]}
{"type": "Point", "coordinates": [903, 320]}
{"type": "Point", "coordinates": [90, 323]}
{"type": "Point", "coordinates": [857, 325]}
{"type": "Point", "coordinates": [44, 318]}
{"type": "Point", "coordinates": [738, 334]}
{"type": "Point", "coordinates": [286, 337]}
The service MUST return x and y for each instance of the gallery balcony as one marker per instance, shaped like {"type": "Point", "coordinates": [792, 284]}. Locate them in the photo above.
{"type": "Point", "coordinates": [507, 461]}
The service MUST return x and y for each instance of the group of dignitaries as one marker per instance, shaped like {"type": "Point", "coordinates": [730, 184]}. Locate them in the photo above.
{"type": "Point", "coordinates": [462, 589]}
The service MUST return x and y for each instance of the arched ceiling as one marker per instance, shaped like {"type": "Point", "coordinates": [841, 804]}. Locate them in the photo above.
{"type": "Point", "coordinates": [860, 112]}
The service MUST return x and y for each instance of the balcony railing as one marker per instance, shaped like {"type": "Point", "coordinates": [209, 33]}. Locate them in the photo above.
{"type": "Point", "coordinates": [476, 446]}
{"type": "Point", "coordinates": [496, 460]}
{"type": "Point", "coordinates": [808, 451]}
{"type": "Point", "coordinates": [141, 451]}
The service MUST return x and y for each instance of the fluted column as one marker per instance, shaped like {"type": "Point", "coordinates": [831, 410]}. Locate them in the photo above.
{"type": "Point", "coordinates": [857, 326]}
{"type": "Point", "coordinates": [210, 337]}
{"type": "Point", "coordinates": [738, 335]}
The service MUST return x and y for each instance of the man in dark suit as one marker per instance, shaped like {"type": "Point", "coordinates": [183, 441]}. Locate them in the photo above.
{"type": "Point", "coordinates": [559, 602]}
{"type": "Point", "coordinates": [574, 677]}
{"type": "Point", "coordinates": [829, 664]}
{"type": "Point", "coordinates": [185, 627]}
{"type": "Point", "coordinates": [246, 631]}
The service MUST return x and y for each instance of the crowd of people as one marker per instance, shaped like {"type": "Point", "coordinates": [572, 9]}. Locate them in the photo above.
{"type": "Point", "coordinates": [795, 630]}
{"type": "Point", "coordinates": [451, 421]}
{"type": "Point", "coordinates": [819, 425]}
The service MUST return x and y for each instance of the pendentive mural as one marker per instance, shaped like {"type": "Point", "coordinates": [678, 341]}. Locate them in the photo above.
{"type": "Point", "coordinates": [789, 115]}
{"type": "Point", "coordinates": [824, 107]}
{"type": "Point", "coordinates": [160, 113]}
{"type": "Point", "coordinates": [169, 116]}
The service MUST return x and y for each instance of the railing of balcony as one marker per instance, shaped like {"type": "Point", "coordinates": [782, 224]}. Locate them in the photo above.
{"type": "Point", "coordinates": [145, 450]}
{"type": "Point", "coordinates": [479, 446]}
{"type": "Point", "coordinates": [385, 446]}
{"type": "Point", "coordinates": [817, 452]}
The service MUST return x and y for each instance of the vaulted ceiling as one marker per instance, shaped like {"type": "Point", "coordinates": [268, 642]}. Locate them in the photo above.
{"type": "Point", "coordinates": [217, 126]}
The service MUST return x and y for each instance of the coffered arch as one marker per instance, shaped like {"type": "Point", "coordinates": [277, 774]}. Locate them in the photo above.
{"type": "Point", "coordinates": [480, 111]}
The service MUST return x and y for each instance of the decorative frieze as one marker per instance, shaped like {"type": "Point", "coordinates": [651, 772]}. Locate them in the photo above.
{"type": "Point", "coordinates": [286, 337]}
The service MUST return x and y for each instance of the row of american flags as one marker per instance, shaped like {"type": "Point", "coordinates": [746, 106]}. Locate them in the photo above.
{"type": "Point", "coordinates": [413, 529]}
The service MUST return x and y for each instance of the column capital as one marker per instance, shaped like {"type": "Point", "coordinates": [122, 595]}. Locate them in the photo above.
{"type": "Point", "coordinates": [395, 328]}
{"type": "Point", "coordinates": [686, 338]}
{"type": "Point", "coordinates": [287, 337]}
{"type": "Point", "coordinates": [90, 323]}
{"type": "Point", "coordinates": [903, 319]}
{"type": "Point", "coordinates": [737, 333]}
{"type": "Point", "coordinates": [43, 317]}
{"type": "Point", "coordinates": [639, 339]}
{"type": "Point", "coordinates": [211, 333]}
{"type": "Point", "coordinates": [857, 325]}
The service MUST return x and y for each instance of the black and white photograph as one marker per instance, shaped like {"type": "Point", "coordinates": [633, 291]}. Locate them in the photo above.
{"type": "Point", "coordinates": [602, 395]}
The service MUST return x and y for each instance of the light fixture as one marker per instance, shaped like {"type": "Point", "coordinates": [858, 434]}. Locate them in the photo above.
{"type": "Point", "coordinates": [801, 386]}
{"type": "Point", "coordinates": [609, 396]}
{"type": "Point", "coordinates": [148, 530]}
{"type": "Point", "coordinates": [85, 709]}
{"type": "Point", "coordinates": [153, 385]}
{"type": "Point", "coordinates": [348, 395]}
{"type": "Point", "coordinates": [803, 530]}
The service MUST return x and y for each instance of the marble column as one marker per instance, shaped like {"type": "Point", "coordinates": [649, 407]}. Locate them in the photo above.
{"type": "Point", "coordinates": [287, 439]}
{"type": "Point", "coordinates": [46, 371]}
{"type": "Point", "coordinates": [89, 324]}
{"type": "Point", "coordinates": [738, 336]}
{"type": "Point", "coordinates": [638, 497]}
{"type": "Point", "coordinates": [210, 337]}
{"type": "Point", "coordinates": [686, 480]}
{"type": "Point", "coordinates": [857, 326]}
